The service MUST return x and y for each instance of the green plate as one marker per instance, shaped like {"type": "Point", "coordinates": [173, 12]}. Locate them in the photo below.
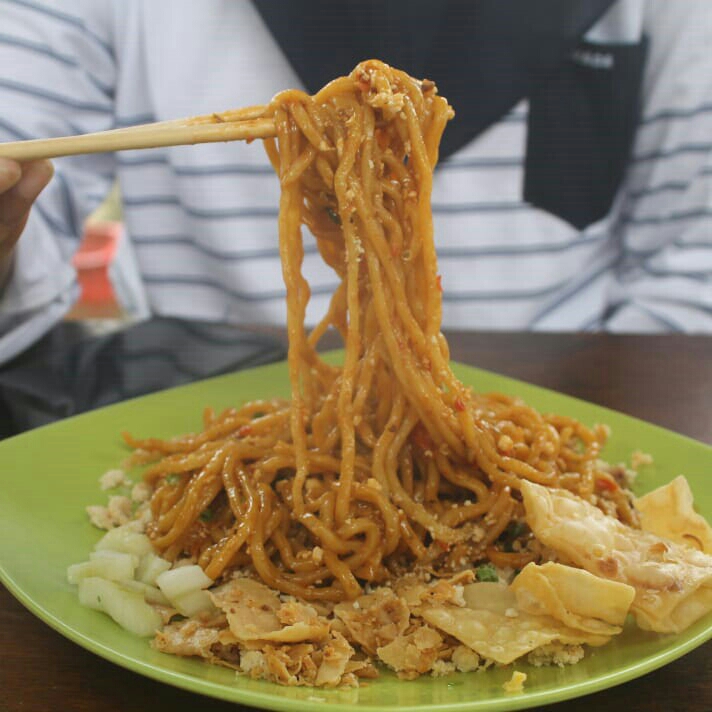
{"type": "Point", "coordinates": [49, 475]}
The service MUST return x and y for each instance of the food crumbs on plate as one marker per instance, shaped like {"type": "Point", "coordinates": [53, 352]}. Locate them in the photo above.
{"type": "Point", "coordinates": [112, 479]}
{"type": "Point", "coordinates": [116, 513]}
{"type": "Point", "coordinates": [515, 683]}
{"type": "Point", "coordinates": [640, 459]}
{"type": "Point", "coordinates": [140, 492]}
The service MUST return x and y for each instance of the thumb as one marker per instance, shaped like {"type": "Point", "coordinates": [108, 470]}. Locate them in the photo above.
{"type": "Point", "coordinates": [15, 202]}
{"type": "Point", "coordinates": [10, 174]}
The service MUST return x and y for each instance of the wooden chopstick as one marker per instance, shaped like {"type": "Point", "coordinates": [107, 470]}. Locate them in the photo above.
{"type": "Point", "coordinates": [243, 114]}
{"type": "Point", "coordinates": [239, 124]}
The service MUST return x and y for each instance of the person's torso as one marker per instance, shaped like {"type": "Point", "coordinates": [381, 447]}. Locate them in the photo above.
{"type": "Point", "coordinates": [203, 219]}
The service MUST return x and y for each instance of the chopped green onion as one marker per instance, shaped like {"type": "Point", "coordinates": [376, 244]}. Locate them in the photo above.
{"type": "Point", "coordinates": [333, 215]}
{"type": "Point", "coordinates": [513, 531]}
{"type": "Point", "coordinates": [206, 515]}
{"type": "Point", "coordinates": [486, 572]}
{"type": "Point", "coordinates": [173, 479]}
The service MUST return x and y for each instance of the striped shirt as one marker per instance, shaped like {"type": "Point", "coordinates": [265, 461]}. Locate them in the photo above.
{"type": "Point", "coordinates": [201, 220]}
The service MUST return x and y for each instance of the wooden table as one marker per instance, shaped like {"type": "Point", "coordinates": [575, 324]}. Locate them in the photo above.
{"type": "Point", "coordinates": [663, 379]}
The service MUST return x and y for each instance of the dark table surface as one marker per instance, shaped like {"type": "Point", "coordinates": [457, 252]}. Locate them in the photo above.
{"type": "Point", "coordinates": [664, 379]}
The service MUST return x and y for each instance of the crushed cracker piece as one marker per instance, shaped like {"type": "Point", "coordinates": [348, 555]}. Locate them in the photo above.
{"type": "Point", "coordinates": [112, 479]}
{"type": "Point", "coordinates": [516, 683]}
{"type": "Point", "coordinates": [640, 459]}
{"type": "Point", "coordinates": [140, 492]}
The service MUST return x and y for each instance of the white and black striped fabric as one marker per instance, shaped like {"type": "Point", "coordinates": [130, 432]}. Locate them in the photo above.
{"type": "Point", "coordinates": [202, 220]}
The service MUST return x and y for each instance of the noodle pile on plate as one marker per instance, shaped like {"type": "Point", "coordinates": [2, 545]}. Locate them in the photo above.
{"type": "Point", "coordinates": [387, 461]}
{"type": "Point", "coordinates": [381, 513]}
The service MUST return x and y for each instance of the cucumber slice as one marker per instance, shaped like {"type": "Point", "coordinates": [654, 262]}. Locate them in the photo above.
{"type": "Point", "coordinates": [150, 567]}
{"type": "Point", "coordinates": [127, 608]}
{"type": "Point", "coordinates": [111, 565]}
{"type": "Point", "coordinates": [92, 592]}
{"type": "Point", "coordinates": [107, 554]}
{"type": "Point", "coordinates": [150, 593]}
{"type": "Point", "coordinates": [177, 582]}
{"type": "Point", "coordinates": [193, 602]}
{"type": "Point", "coordinates": [125, 540]}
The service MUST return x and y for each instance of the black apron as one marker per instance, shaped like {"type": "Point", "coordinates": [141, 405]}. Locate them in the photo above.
{"type": "Point", "coordinates": [485, 56]}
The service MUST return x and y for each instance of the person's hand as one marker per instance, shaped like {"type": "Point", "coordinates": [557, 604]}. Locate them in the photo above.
{"type": "Point", "coordinates": [20, 184]}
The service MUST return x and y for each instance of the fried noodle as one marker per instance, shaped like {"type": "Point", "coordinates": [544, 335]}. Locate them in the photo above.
{"type": "Point", "coordinates": [388, 461]}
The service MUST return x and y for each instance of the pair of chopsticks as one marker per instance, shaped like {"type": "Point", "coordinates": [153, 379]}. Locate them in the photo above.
{"type": "Point", "coordinates": [237, 125]}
